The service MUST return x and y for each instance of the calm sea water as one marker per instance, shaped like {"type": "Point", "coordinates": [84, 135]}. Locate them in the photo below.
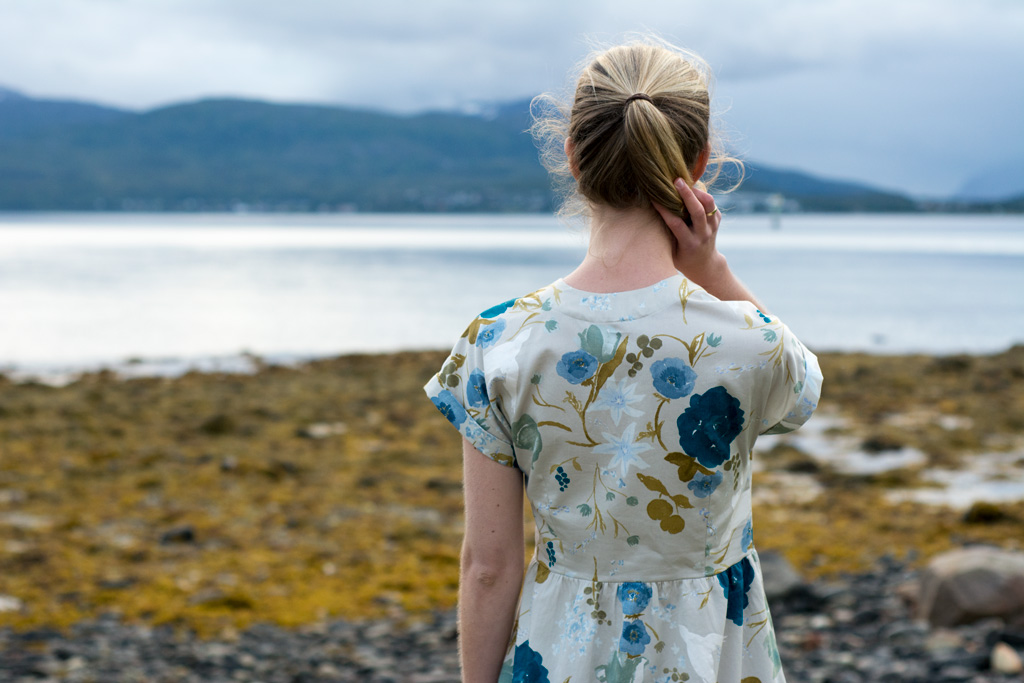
{"type": "Point", "coordinates": [85, 290]}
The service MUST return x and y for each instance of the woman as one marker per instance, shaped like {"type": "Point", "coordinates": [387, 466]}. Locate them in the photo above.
{"type": "Point", "coordinates": [624, 399]}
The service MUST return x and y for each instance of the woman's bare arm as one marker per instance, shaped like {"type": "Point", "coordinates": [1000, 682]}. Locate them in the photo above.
{"type": "Point", "coordinates": [492, 563]}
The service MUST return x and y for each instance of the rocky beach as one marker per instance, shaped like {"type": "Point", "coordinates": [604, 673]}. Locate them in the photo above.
{"type": "Point", "coordinates": [302, 523]}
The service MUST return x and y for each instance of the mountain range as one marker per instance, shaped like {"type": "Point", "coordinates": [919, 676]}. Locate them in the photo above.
{"type": "Point", "coordinates": [223, 154]}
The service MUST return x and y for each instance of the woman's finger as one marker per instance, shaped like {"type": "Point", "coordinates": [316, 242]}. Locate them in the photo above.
{"type": "Point", "coordinates": [705, 199]}
{"type": "Point", "coordinates": [698, 215]}
{"type": "Point", "coordinates": [675, 224]}
{"type": "Point", "coordinates": [714, 216]}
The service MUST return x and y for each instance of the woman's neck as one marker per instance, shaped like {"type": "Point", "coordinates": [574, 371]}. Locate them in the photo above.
{"type": "Point", "coordinates": [629, 249]}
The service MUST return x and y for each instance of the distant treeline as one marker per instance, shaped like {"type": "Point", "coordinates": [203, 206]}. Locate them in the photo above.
{"type": "Point", "coordinates": [231, 154]}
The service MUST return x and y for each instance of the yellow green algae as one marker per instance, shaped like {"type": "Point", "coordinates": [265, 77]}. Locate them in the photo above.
{"type": "Point", "coordinates": [331, 489]}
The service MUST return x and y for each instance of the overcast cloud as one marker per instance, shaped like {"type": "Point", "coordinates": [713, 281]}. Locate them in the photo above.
{"type": "Point", "coordinates": [918, 95]}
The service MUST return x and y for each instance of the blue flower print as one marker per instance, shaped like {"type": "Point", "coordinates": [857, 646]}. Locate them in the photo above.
{"type": "Point", "coordinates": [576, 367]}
{"type": "Point", "coordinates": [528, 665]}
{"type": "Point", "coordinates": [704, 485]}
{"type": "Point", "coordinates": [489, 334]}
{"type": "Point", "coordinates": [769, 335]}
{"type": "Point", "coordinates": [634, 638]}
{"type": "Point", "coordinates": [673, 378]}
{"type": "Point", "coordinates": [736, 581]}
{"type": "Point", "coordinates": [634, 596]}
{"type": "Point", "coordinates": [748, 535]}
{"type": "Point", "coordinates": [476, 392]}
{"type": "Point", "coordinates": [708, 427]}
{"type": "Point", "coordinates": [713, 339]}
{"type": "Point", "coordinates": [494, 311]}
{"type": "Point", "coordinates": [450, 407]}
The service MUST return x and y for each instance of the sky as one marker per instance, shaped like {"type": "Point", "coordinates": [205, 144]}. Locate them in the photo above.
{"type": "Point", "coordinates": [920, 96]}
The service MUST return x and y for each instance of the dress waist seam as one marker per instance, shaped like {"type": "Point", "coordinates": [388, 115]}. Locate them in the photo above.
{"type": "Point", "coordinates": [636, 578]}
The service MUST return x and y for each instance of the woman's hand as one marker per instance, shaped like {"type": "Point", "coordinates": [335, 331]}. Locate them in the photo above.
{"type": "Point", "coordinates": [696, 255]}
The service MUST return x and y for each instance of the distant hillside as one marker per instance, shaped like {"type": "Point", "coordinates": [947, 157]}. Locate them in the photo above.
{"type": "Point", "coordinates": [817, 194]}
{"type": "Point", "coordinates": [21, 116]}
{"type": "Point", "coordinates": [219, 154]}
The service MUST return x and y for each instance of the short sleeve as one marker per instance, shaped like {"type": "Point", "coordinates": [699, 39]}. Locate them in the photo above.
{"type": "Point", "coordinates": [461, 393]}
{"type": "Point", "coordinates": [795, 390]}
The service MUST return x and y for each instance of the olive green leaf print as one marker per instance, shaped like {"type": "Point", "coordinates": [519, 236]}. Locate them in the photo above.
{"type": "Point", "coordinates": [632, 412]}
{"type": "Point", "coordinates": [448, 377]}
{"type": "Point", "coordinates": [586, 369]}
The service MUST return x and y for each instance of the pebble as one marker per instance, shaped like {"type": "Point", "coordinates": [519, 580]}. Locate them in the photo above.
{"type": "Point", "coordinates": [1005, 660]}
{"type": "Point", "coordinates": [852, 630]}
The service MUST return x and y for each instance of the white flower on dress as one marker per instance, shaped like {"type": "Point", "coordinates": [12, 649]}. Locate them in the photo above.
{"type": "Point", "coordinates": [626, 450]}
{"type": "Point", "coordinates": [618, 399]}
{"type": "Point", "coordinates": [598, 302]}
{"type": "Point", "coordinates": [577, 630]}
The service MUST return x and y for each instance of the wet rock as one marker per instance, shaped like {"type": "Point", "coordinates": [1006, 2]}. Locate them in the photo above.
{"type": "Point", "coordinates": [179, 534]}
{"type": "Point", "coordinates": [218, 425]}
{"type": "Point", "coordinates": [780, 578]}
{"type": "Point", "coordinates": [880, 443]}
{"type": "Point", "coordinates": [26, 521]}
{"type": "Point", "coordinates": [965, 585]}
{"type": "Point", "coordinates": [9, 603]}
{"type": "Point", "coordinates": [1005, 660]}
{"type": "Point", "coordinates": [10, 496]}
{"type": "Point", "coordinates": [942, 641]}
{"type": "Point", "coordinates": [985, 513]}
{"type": "Point", "coordinates": [322, 430]}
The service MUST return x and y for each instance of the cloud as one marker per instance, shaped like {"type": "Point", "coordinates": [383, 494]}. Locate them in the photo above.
{"type": "Point", "coordinates": [858, 78]}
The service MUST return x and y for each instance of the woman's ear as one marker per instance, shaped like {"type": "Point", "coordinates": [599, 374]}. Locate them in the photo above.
{"type": "Point", "coordinates": [570, 153]}
{"type": "Point", "coordinates": [702, 162]}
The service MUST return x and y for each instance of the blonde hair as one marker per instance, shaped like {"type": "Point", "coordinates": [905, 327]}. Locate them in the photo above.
{"type": "Point", "coordinates": [640, 117]}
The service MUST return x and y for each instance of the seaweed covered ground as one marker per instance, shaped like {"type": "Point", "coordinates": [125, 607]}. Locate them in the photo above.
{"type": "Point", "coordinates": [331, 489]}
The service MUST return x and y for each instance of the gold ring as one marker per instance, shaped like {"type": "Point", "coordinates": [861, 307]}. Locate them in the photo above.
{"type": "Point", "coordinates": [713, 212]}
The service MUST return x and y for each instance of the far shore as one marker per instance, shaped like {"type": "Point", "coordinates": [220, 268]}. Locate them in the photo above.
{"type": "Point", "coordinates": [331, 488]}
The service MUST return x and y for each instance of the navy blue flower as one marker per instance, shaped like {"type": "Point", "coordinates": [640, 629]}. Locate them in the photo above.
{"type": "Point", "coordinates": [576, 367]}
{"type": "Point", "coordinates": [673, 378]}
{"type": "Point", "coordinates": [450, 407]}
{"type": "Point", "coordinates": [528, 665]}
{"type": "Point", "coordinates": [703, 485]}
{"type": "Point", "coordinates": [708, 427]}
{"type": "Point", "coordinates": [489, 334]}
{"type": "Point", "coordinates": [476, 392]}
{"type": "Point", "coordinates": [634, 596]}
{"type": "Point", "coordinates": [634, 638]}
{"type": "Point", "coordinates": [495, 311]}
{"type": "Point", "coordinates": [736, 581]}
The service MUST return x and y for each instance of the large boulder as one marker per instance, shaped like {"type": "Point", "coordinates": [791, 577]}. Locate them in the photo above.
{"type": "Point", "coordinates": [963, 586]}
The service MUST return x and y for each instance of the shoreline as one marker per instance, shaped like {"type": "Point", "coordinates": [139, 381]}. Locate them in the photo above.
{"type": "Point", "coordinates": [331, 490]}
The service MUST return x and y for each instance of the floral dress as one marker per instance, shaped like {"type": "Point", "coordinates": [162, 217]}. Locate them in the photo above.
{"type": "Point", "coordinates": [632, 416]}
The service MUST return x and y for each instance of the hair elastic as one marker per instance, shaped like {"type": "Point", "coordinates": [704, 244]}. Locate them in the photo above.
{"type": "Point", "coordinates": [639, 96]}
